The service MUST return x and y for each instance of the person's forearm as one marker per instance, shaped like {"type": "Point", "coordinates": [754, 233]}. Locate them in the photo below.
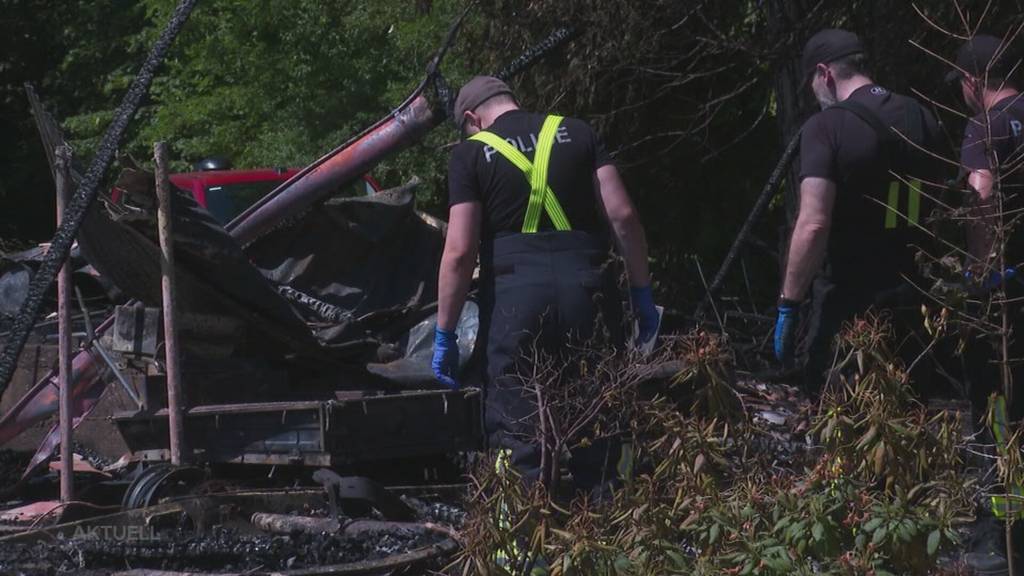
{"type": "Point", "coordinates": [806, 255]}
{"type": "Point", "coordinates": [632, 245]}
{"type": "Point", "coordinates": [982, 219]}
{"type": "Point", "coordinates": [454, 278]}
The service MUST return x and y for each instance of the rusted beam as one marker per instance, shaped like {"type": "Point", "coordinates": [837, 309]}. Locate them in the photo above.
{"type": "Point", "coordinates": [62, 177]}
{"type": "Point", "coordinates": [175, 395]}
{"type": "Point", "coordinates": [407, 125]}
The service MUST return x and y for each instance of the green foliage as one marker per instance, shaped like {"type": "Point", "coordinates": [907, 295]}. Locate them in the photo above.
{"type": "Point", "coordinates": [702, 503]}
{"type": "Point", "coordinates": [272, 83]}
{"type": "Point", "coordinates": [689, 96]}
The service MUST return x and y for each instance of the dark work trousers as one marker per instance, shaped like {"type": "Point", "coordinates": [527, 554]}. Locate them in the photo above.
{"type": "Point", "coordinates": [542, 292]}
{"type": "Point", "coordinates": [983, 376]}
{"type": "Point", "coordinates": [832, 305]}
{"type": "Point", "coordinates": [982, 371]}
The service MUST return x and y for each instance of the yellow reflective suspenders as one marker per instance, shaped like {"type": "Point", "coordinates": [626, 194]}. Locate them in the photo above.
{"type": "Point", "coordinates": [892, 205]}
{"type": "Point", "coordinates": [1011, 505]}
{"type": "Point", "coordinates": [536, 173]}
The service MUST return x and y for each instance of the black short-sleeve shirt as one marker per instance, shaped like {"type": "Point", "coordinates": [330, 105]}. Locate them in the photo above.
{"type": "Point", "coordinates": [1006, 123]}
{"type": "Point", "coordinates": [476, 172]}
{"type": "Point", "coordinates": [868, 248]}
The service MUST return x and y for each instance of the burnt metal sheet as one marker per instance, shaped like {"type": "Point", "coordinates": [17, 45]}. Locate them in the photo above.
{"type": "Point", "coordinates": [414, 367]}
{"type": "Point", "coordinates": [378, 290]}
{"type": "Point", "coordinates": [214, 275]}
{"type": "Point", "coordinates": [135, 330]}
{"type": "Point", "coordinates": [14, 288]}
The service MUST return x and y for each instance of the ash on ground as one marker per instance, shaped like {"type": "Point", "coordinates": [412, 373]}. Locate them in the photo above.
{"type": "Point", "coordinates": [222, 550]}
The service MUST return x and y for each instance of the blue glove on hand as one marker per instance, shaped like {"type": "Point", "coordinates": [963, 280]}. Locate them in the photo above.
{"type": "Point", "coordinates": [446, 357]}
{"type": "Point", "coordinates": [994, 279]}
{"type": "Point", "coordinates": [785, 333]}
{"type": "Point", "coordinates": [646, 313]}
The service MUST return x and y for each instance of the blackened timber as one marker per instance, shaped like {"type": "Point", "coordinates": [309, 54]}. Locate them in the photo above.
{"type": "Point", "coordinates": [748, 226]}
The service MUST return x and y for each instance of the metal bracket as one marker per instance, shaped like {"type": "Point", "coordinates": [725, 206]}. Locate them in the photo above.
{"type": "Point", "coordinates": [356, 494]}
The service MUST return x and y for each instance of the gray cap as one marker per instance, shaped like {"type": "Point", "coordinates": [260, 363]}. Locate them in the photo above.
{"type": "Point", "coordinates": [476, 92]}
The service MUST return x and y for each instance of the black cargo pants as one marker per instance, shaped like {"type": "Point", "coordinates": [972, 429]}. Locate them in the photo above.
{"type": "Point", "coordinates": [542, 291]}
{"type": "Point", "coordinates": [833, 304]}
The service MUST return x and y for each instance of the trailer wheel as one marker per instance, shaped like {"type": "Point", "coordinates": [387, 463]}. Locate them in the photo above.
{"type": "Point", "coordinates": [159, 482]}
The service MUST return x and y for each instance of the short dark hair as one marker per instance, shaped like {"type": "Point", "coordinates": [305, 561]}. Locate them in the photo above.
{"type": "Point", "coordinates": [849, 66]}
{"type": "Point", "coordinates": [503, 98]}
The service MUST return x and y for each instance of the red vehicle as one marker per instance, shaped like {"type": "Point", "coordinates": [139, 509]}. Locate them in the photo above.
{"type": "Point", "coordinates": [226, 193]}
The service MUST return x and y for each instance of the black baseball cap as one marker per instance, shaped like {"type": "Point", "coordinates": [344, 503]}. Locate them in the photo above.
{"type": "Point", "coordinates": [982, 54]}
{"type": "Point", "coordinates": [476, 92]}
{"type": "Point", "coordinates": [827, 46]}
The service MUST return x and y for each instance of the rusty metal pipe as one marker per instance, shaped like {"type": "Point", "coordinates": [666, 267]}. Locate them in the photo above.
{"type": "Point", "coordinates": [407, 125]}
{"type": "Point", "coordinates": [62, 177]}
{"type": "Point", "coordinates": [175, 395]}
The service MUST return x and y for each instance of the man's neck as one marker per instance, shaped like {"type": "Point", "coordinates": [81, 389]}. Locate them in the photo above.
{"type": "Point", "coordinates": [493, 112]}
{"type": "Point", "coordinates": [846, 87]}
{"type": "Point", "coordinates": [993, 97]}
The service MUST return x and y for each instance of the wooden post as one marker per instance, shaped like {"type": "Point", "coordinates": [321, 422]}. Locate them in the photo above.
{"type": "Point", "coordinates": [175, 395]}
{"type": "Point", "coordinates": [62, 177]}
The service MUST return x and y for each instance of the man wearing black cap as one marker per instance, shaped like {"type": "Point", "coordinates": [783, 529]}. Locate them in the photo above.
{"type": "Point", "coordinates": [535, 195]}
{"type": "Point", "coordinates": [990, 156]}
{"type": "Point", "coordinates": [993, 141]}
{"type": "Point", "coordinates": [851, 245]}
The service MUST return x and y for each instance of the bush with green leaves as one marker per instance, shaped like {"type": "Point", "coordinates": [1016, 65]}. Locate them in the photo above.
{"type": "Point", "coordinates": [701, 502]}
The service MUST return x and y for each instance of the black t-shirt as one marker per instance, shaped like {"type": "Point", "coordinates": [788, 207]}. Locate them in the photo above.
{"type": "Point", "coordinates": [870, 246]}
{"type": "Point", "coordinates": [1005, 124]}
{"type": "Point", "coordinates": [1006, 121]}
{"type": "Point", "coordinates": [476, 172]}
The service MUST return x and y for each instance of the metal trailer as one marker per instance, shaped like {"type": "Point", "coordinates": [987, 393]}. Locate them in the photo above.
{"type": "Point", "coordinates": [354, 427]}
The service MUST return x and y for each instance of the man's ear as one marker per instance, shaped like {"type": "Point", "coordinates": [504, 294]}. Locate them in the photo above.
{"type": "Point", "coordinates": [822, 70]}
{"type": "Point", "coordinates": [471, 119]}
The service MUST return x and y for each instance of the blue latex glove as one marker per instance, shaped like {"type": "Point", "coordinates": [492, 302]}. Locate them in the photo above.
{"type": "Point", "coordinates": [446, 357]}
{"type": "Point", "coordinates": [994, 279]}
{"type": "Point", "coordinates": [785, 333]}
{"type": "Point", "coordinates": [646, 313]}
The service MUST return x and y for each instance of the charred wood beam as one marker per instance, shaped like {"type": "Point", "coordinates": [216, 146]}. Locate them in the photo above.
{"type": "Point", "coordinates": [755, 214]}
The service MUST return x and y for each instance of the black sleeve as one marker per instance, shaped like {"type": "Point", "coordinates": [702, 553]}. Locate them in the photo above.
{"type": "Point", "coordinates": [972, 150]}
{"type": "Point", "coordinates": [463, 185]}
{"type": "Point", "coordinates": [601, 157]}
{"type": "Point", "coordinates": [818, 147]}
{"type": "Point", "coordinates": [588, 140]}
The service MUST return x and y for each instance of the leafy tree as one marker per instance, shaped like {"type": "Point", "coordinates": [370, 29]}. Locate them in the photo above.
{"type": "Point", "coordinates": [693, 98]}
